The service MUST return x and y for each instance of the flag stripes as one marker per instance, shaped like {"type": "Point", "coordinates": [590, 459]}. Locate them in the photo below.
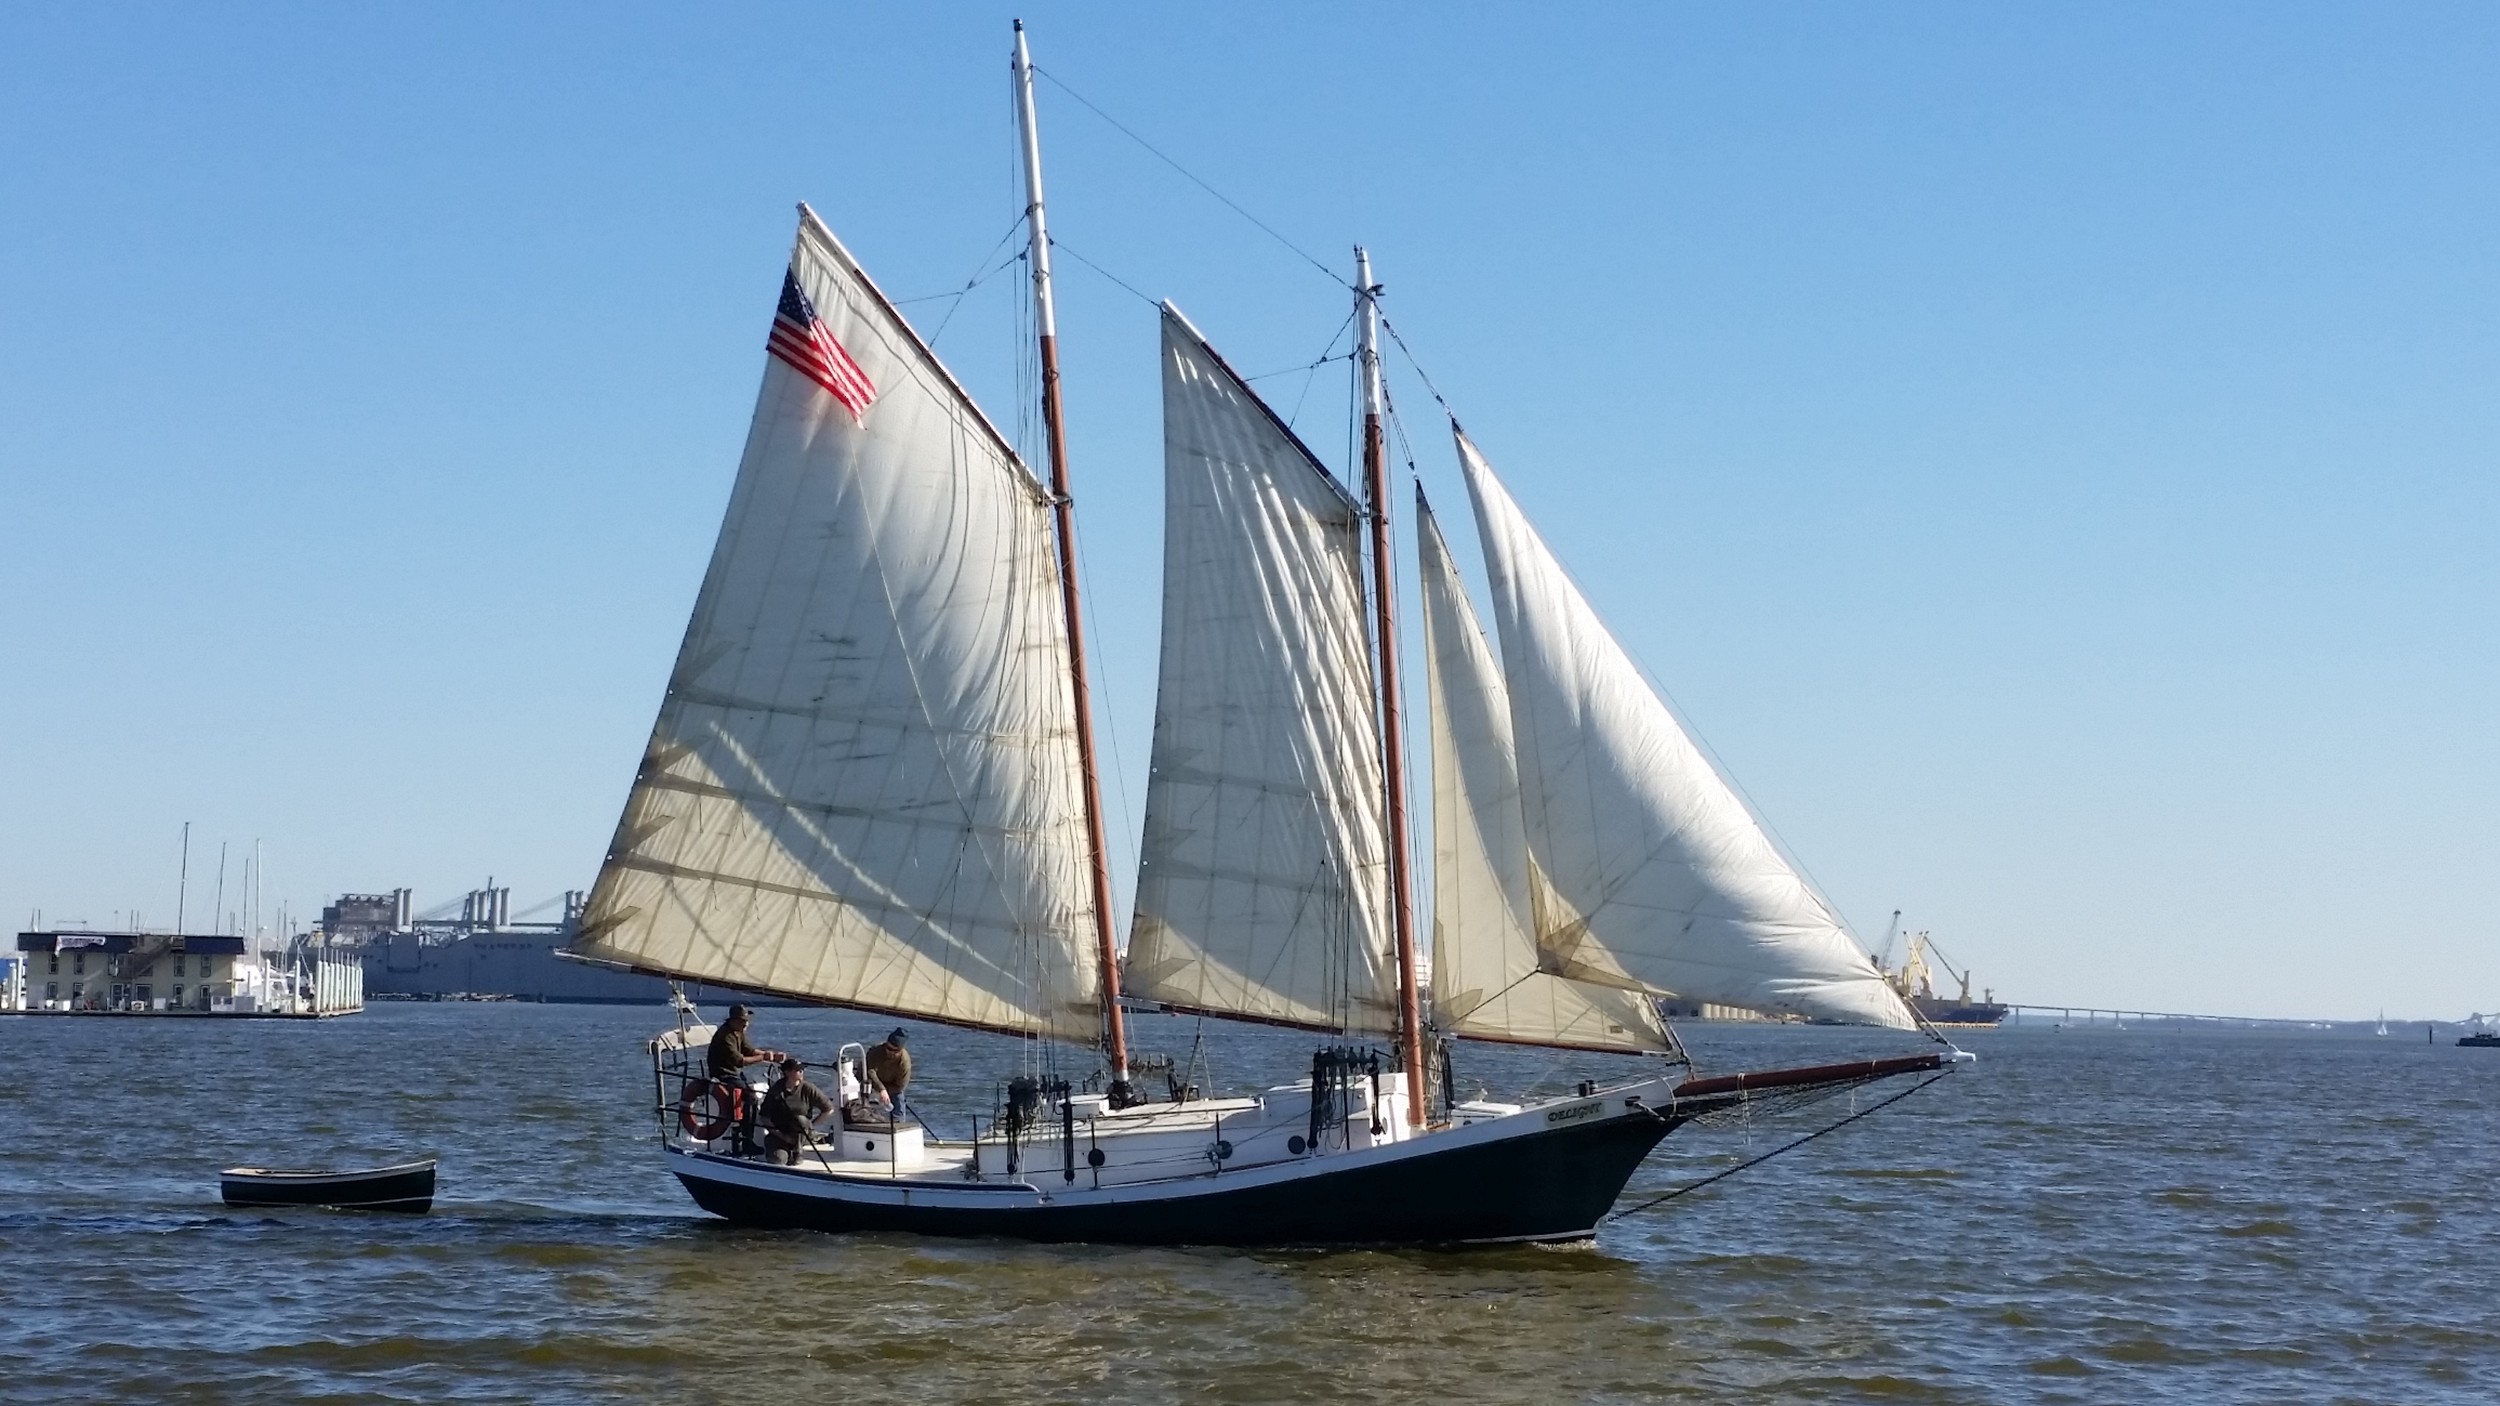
{"type": "Point", "coordinates": [800, 340]}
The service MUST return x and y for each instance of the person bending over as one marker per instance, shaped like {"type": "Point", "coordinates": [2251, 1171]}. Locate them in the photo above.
{"type": "Point", "coordinates": [889, 1072]}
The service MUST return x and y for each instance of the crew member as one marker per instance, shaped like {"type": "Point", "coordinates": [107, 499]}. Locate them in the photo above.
{"type": "Point", "coordinates": [889, 1071]}
{"type": "Point", "coordinates": [792, 1109]}
{"type": "Point", "coordinates": [730, 1054]}
{"type": "Point", "coordinates": [732, 1050]}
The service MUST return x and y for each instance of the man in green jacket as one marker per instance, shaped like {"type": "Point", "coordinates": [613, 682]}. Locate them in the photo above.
{"type": "Point", "coordinates": [792, 1109]}
{"type": "Point", "coordinates": [731, 1050]}
{"type": "Point", "coordinates": [730, 1054]}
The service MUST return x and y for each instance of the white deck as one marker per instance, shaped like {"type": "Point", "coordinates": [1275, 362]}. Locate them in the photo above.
{"type": "Point", "coordinates": [1084, 1144]}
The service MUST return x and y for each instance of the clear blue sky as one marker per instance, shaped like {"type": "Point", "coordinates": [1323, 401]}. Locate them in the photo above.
{"type": "Point", "coordinates": [2048, 452]}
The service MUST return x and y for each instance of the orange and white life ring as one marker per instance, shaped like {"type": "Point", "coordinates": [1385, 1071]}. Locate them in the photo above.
{"type": "Point", "coordinates": [707, 1109]}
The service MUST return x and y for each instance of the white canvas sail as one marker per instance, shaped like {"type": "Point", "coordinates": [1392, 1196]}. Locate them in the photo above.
{"type": "Point", "coordinates": [1671, 883]}
{"type": "Point", "coordinates": [863, 785]}
{"type": "Point", "coordinates": [1490, 905]}
{"type": "Point", "coordinates": [1261, 876]}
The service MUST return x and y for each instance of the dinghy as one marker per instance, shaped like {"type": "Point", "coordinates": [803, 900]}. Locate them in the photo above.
{"type": "Point", "coordinates": [408, 1187]}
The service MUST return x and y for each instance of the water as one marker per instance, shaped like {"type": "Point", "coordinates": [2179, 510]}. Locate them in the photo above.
{"type": "Point", "coordinates": [2082, 1217]}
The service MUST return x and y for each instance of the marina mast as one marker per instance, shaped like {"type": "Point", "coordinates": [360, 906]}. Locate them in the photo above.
{"type": "Point", "coordinates": [1046, 325]}
{"type": "Point", "coordinates": [1392, 742]}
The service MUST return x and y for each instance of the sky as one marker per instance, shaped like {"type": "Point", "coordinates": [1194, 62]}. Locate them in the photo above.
{"type": "Point", "coordinates": [2047, 453]}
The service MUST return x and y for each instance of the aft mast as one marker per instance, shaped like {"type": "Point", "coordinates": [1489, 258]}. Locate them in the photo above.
{"type": "Point", "coordinates": [1392, 742]}
{"type": "Point", "coordinates": [1046, 325]}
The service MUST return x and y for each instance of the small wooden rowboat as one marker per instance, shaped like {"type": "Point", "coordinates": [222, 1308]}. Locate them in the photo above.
{"type": "Point", "coordinates": [407, 1187]}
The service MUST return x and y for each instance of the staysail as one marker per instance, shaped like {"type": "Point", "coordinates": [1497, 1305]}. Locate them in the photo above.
{"type": "Point", "coordinates": [1491, 905]}
{"type": "Point", "coordinates": [864, 784]}
{"type": "Point", "coordinates": [1670, 882]}
{"type": "Point", "coordinates": [1261, 877]}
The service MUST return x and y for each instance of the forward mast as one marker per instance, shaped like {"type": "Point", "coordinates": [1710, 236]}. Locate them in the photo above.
{"type": "Point", "coordinates": [1046, 327]}
{"type": "Point", "coordinates": [1392, 740]}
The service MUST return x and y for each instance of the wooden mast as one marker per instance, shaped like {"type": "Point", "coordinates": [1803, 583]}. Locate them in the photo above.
{"type": "Point", "coordinates": [1046, 324]}
{"type": "Point", "coordinates": [1392, 724]}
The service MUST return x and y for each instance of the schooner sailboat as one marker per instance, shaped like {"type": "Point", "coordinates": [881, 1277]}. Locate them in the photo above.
{"type": "Point", "coordinates": [872, 783]}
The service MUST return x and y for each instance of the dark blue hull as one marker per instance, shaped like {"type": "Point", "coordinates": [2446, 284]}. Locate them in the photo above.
{"type": "Point", "coordinates": [1551, 1185]}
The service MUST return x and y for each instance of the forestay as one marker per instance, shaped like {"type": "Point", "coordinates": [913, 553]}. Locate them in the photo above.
{"type": "Point", "coordinates": [1261, 872]}
{"type": "Point", "coordinates": [1490, 904]}
{"type": "Point", "coordinates": [863, 785]}
{"type": "Point", "coordinates": [1674, 885]}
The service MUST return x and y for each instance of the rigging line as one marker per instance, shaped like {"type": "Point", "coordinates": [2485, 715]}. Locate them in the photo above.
{"type": "Point", "coordinates": [1110, 725]}
{"type": "Point", "coordinates": [1124, 283]}
{"type": "Point", "coordinates": [977, 279]}
{"type": "Point", "coordinates": [977, 275]}
{"type": "Point", "coordinates": [1389, 416]}
{"type": "Point", "coordinates": [1421, 374]}
{"type": "Point", "coordinates": [1311, 372]}
{"type": "Point", "coordinates": [1289, 370]}
{"type": "Point", "coordinates": [1194, 178]}
{"type": "Point", "coordinates": [1397, 426]}
{"type": "Point", "coordinates": [988, 272]}
{"type": "Point", "coordinates": [1489, 1000]}
{"type": "Point", "coordinates": [1546, 1072]}
{"type": "Point", "coordinates": [1354, 424]}
{"type": "Point", "coordinates": [1752, 1162]}
{"type": "Point", "coordinates": [1921, 1017]}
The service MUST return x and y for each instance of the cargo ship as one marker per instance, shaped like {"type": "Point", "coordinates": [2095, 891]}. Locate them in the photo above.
{"type": "Point", "coordinates": [475, 949]}
{"type": "Point", "coordinates": [1915, 981]}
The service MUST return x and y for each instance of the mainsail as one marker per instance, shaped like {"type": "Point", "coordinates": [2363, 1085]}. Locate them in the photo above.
{"type": "Point", "coordinates": [1669, 881]}
{"type": "Point", "coordinates": [1261, 877]}
{"type": "Point", "coordinates": [864, 783]}
{"type": "Point", "coordinates": [1491, 905]}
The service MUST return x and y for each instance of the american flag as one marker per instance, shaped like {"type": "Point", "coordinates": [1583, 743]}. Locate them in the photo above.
{"type": "Point", "coordinates": [800, 340]}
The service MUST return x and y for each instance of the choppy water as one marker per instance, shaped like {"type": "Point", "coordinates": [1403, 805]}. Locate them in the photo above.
{"type": "Point", "coordinates": [2084, 1217]}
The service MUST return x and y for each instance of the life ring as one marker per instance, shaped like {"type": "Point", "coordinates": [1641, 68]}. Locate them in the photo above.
{"type": "Point", "coordinates": [707, 1109]}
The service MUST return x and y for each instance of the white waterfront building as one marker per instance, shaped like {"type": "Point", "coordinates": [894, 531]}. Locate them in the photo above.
{"type": "Point", "coordinates": [185, 974]}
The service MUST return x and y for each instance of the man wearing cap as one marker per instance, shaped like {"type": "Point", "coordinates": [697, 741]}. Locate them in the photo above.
{"type": "Point", "coordinates": [731, 1053]}
{"type": "Point", "coordinates": [792, 1109]}
{"type": "Point", "coordinates": [889, 1070]}
{"type": "Point", "coordinates": [732, 1050]}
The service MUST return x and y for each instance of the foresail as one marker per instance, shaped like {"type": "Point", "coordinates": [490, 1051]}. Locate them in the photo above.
{"type": "Point", "coordinates": [1489, 903]}
{"type": "Point", "coordinates": [1261, 876]}
{"type": "Point", "coordinates": [1671, 883]}
{"type": "Point", "coordinates": [863, 785]}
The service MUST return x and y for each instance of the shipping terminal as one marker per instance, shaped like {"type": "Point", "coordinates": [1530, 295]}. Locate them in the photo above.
{"type": "Point", "coordinates": [475, 949]}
